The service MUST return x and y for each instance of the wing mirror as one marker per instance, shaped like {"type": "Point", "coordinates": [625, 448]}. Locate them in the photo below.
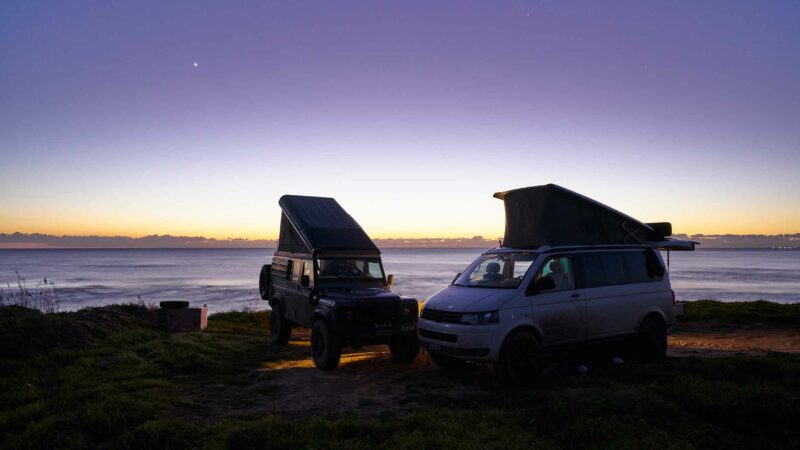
{"type": "Point", "coordinates": [305, 281]}
{"type": "Point", "coordinates": [389, 280]}
{"type": "Point", "coordinates": [542, 284]}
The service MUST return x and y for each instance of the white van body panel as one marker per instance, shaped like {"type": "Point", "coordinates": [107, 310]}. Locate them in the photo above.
{"type": "Point", "coordinates": [563, 318]}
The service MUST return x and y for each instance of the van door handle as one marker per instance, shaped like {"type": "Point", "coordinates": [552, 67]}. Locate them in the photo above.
{"type": "Point", "coordinates": [576, 295]}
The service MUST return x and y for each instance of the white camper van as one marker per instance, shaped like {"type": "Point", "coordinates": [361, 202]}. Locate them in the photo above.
{"type": "Point", "coordinates": [522, 300]}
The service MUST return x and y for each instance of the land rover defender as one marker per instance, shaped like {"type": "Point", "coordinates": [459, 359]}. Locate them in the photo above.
{"type": "Point", "coordinates": [327, 275]}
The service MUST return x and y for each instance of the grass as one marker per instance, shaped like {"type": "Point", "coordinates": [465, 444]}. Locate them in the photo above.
{"type": "Point", "coordinates": [756, 312]}
{"type": "Point", "coordinates": [104, 377]}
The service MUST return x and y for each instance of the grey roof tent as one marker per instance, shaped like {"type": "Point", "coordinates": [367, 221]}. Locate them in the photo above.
{"type": "Point", "coordinates": [553, 215]}
{"type": "Point", "coordinates": [311, 225]}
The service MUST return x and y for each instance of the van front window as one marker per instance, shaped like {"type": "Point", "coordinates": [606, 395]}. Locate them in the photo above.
{"type": "Point", "coordinates": [501, 270]}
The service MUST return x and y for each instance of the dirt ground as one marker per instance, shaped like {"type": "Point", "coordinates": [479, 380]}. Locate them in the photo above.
{"type": "Point", "coordinates": [706, 340]}
{"type": "Point", "coordinates": [368, 383]}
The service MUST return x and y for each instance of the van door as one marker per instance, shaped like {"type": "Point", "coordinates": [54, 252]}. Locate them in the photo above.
{"type": "Point", "coordinates": [617, 290]}
{"type": "Point", "coordinates": [560, 313]}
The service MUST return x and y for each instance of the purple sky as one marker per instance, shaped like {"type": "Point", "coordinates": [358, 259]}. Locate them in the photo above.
{"type": "Point", "coordinates": [411, 115]}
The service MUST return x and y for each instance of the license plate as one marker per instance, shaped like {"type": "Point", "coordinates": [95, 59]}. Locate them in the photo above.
{"type": "Point", "coordinates": [408, 327]}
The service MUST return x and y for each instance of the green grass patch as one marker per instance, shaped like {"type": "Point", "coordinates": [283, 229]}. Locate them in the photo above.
{"type": "Point", "coordinates": [109, 379]}
{"type": "Point", "coordinates": [739, 313]}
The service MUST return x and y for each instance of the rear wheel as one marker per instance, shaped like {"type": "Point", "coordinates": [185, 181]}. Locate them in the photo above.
{"type": "Point", "coordinates": [280, 329]}
{"type": "Point", "coordinates": [520, 361]}
{"type": "Point", "coordinates": [404, 348]}
{"type": "Point", "coordinates": [448, 362]}
{"type": "Point", "coordinates": [326, 350]}
{"type": "Point", "coordinates": [651, 344]}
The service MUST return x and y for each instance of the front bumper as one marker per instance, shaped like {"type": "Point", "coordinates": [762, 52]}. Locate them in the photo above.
{"type": "Point", "coordinates": [474, 342]}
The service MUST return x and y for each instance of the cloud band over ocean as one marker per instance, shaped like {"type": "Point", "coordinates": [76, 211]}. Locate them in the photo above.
{"type": "Point", "coordinates": [43, 241]}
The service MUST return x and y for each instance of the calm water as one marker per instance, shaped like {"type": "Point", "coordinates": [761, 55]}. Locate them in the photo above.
{"type": "Point", "coordinates": [228, 279]}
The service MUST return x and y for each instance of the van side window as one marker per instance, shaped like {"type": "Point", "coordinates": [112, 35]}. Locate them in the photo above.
{"type": "Point", "coordinates": [655, 270]}
{"type": "Point", "coordinates": [637, 267]}
{"type": "Point", "coordinates": [614, 268]}
{"type": "Point", "coordinates": [559, 268]}
{"type": "Point", "coordinates": [590, 271]}
{"type": "Point", "coordinates": [611, 268]}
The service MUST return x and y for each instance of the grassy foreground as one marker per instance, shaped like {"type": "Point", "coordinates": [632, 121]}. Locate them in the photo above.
{"type": "Point", "coordinates": [104, 377]}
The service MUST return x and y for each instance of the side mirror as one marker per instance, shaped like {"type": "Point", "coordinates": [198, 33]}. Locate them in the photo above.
{"type": "Point", "coordinates": [456, 277]}
{"type": "Point", "coordinates": [542, 284]}
{"type": "Point", "coordinates": [305, 281]}
{"type": "Point", "coordinates": [389, 280]}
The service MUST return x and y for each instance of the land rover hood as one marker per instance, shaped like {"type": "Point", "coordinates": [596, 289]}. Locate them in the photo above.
{"type": "Point", "coordinates": [376, 294]}
{"type": "Point", "coordinates": [469, 299]}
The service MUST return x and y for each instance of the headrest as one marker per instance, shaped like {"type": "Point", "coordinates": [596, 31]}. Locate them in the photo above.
{"type": "Point", "coordinates": [493, 267]}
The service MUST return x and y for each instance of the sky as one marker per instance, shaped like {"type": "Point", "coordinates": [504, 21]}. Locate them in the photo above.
{"type": "Point", "coordinates": [193, 118]}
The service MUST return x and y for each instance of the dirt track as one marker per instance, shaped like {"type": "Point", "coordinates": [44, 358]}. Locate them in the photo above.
{"type": "Point", "coordinates": [368, 383]}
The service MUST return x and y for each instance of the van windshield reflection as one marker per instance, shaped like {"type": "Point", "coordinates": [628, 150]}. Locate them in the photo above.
{"type": "Point", "coordinates": [502, 270]}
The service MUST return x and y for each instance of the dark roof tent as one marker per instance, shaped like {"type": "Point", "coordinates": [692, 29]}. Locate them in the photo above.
{"type": "Point", "coordinates": [320, 224]}
{"type": "Point", "coordinates": [552, 215]}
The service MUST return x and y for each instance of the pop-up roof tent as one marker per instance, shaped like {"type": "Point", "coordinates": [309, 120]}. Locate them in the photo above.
{"type": "Point", "coordinates": [552, 215]}
{"type": "Point", "coordinates": [320, 225]}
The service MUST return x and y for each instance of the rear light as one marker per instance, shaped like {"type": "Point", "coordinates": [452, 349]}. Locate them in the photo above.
{"type": "Point", "coordinates": [673, 296]}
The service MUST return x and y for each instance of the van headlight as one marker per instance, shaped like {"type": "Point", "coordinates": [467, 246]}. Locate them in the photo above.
{"type": "Point", "coordinates": [481, 318]}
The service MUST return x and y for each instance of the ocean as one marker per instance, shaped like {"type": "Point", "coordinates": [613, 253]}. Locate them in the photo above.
{"type": "Point", "coordinates": [226, 279]}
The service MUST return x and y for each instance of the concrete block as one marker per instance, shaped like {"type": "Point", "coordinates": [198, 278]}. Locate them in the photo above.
{"type": "Point", "coordinates": [184, 319]}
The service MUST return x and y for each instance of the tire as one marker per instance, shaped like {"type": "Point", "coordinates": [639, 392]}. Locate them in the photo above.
{"type": "Point", "coordinates": [519, 362]}
{"type": "Point", "coordinates": [404, 348]}
{"type": "Point", "coordinates": [264, 279]}
{"type": "Point", "coordinates": [326, 349]}
{"type": "Point", "coordinates": [448, 362]}
{"type": "Point", "coordinates": [280, 329]}
{"type": "Point", "coordinates": [651, 343]}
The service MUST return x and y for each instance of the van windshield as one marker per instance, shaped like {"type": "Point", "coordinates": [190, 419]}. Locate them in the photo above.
{"type": "Point", "coordinates": [349, 269]}
{"type": "Point", "coordinates": [499, 270]}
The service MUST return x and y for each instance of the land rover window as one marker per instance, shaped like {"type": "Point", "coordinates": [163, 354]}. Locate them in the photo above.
{"type": "Point", "coordinates": [501, 270]}
{"type": "Point", "coordinates": [289, 269]}
{"type": "Point", "coordinates": [308, 269]}
{"type": "Point", "coordinates": [349, 269]}
{"type": "Point", "coordinates": [559, 268]}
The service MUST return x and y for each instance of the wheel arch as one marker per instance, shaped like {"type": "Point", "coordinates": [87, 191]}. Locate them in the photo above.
{"type": "Point", "coordinates": [537, 333]}
{"type": "Point", "coordinates": [655, 314]}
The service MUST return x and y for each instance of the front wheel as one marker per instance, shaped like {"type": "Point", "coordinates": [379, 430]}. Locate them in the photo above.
{"type": "Point", "coordinates": [280, 329]}
{"type": "Point", "coordinates": [404, 348]}
{"type": "Point", "coordinates": [326, 350]}
{"type": "Point", "coordinates": [520, 361]}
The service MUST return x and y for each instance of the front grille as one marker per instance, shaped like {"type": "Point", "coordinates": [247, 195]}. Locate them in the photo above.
{"type": "Point", "coordinates": [441, 316]}
{"type": "Point", "coordinates": [430, 334]}
{"type": "Point", "coordinates": [378, 314]}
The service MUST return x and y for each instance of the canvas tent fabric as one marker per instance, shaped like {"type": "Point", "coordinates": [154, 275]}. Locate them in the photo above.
{"type": "Point", "coordinates": [553, 215]}
{"type": "Point", "coordinates": [312, 224]}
